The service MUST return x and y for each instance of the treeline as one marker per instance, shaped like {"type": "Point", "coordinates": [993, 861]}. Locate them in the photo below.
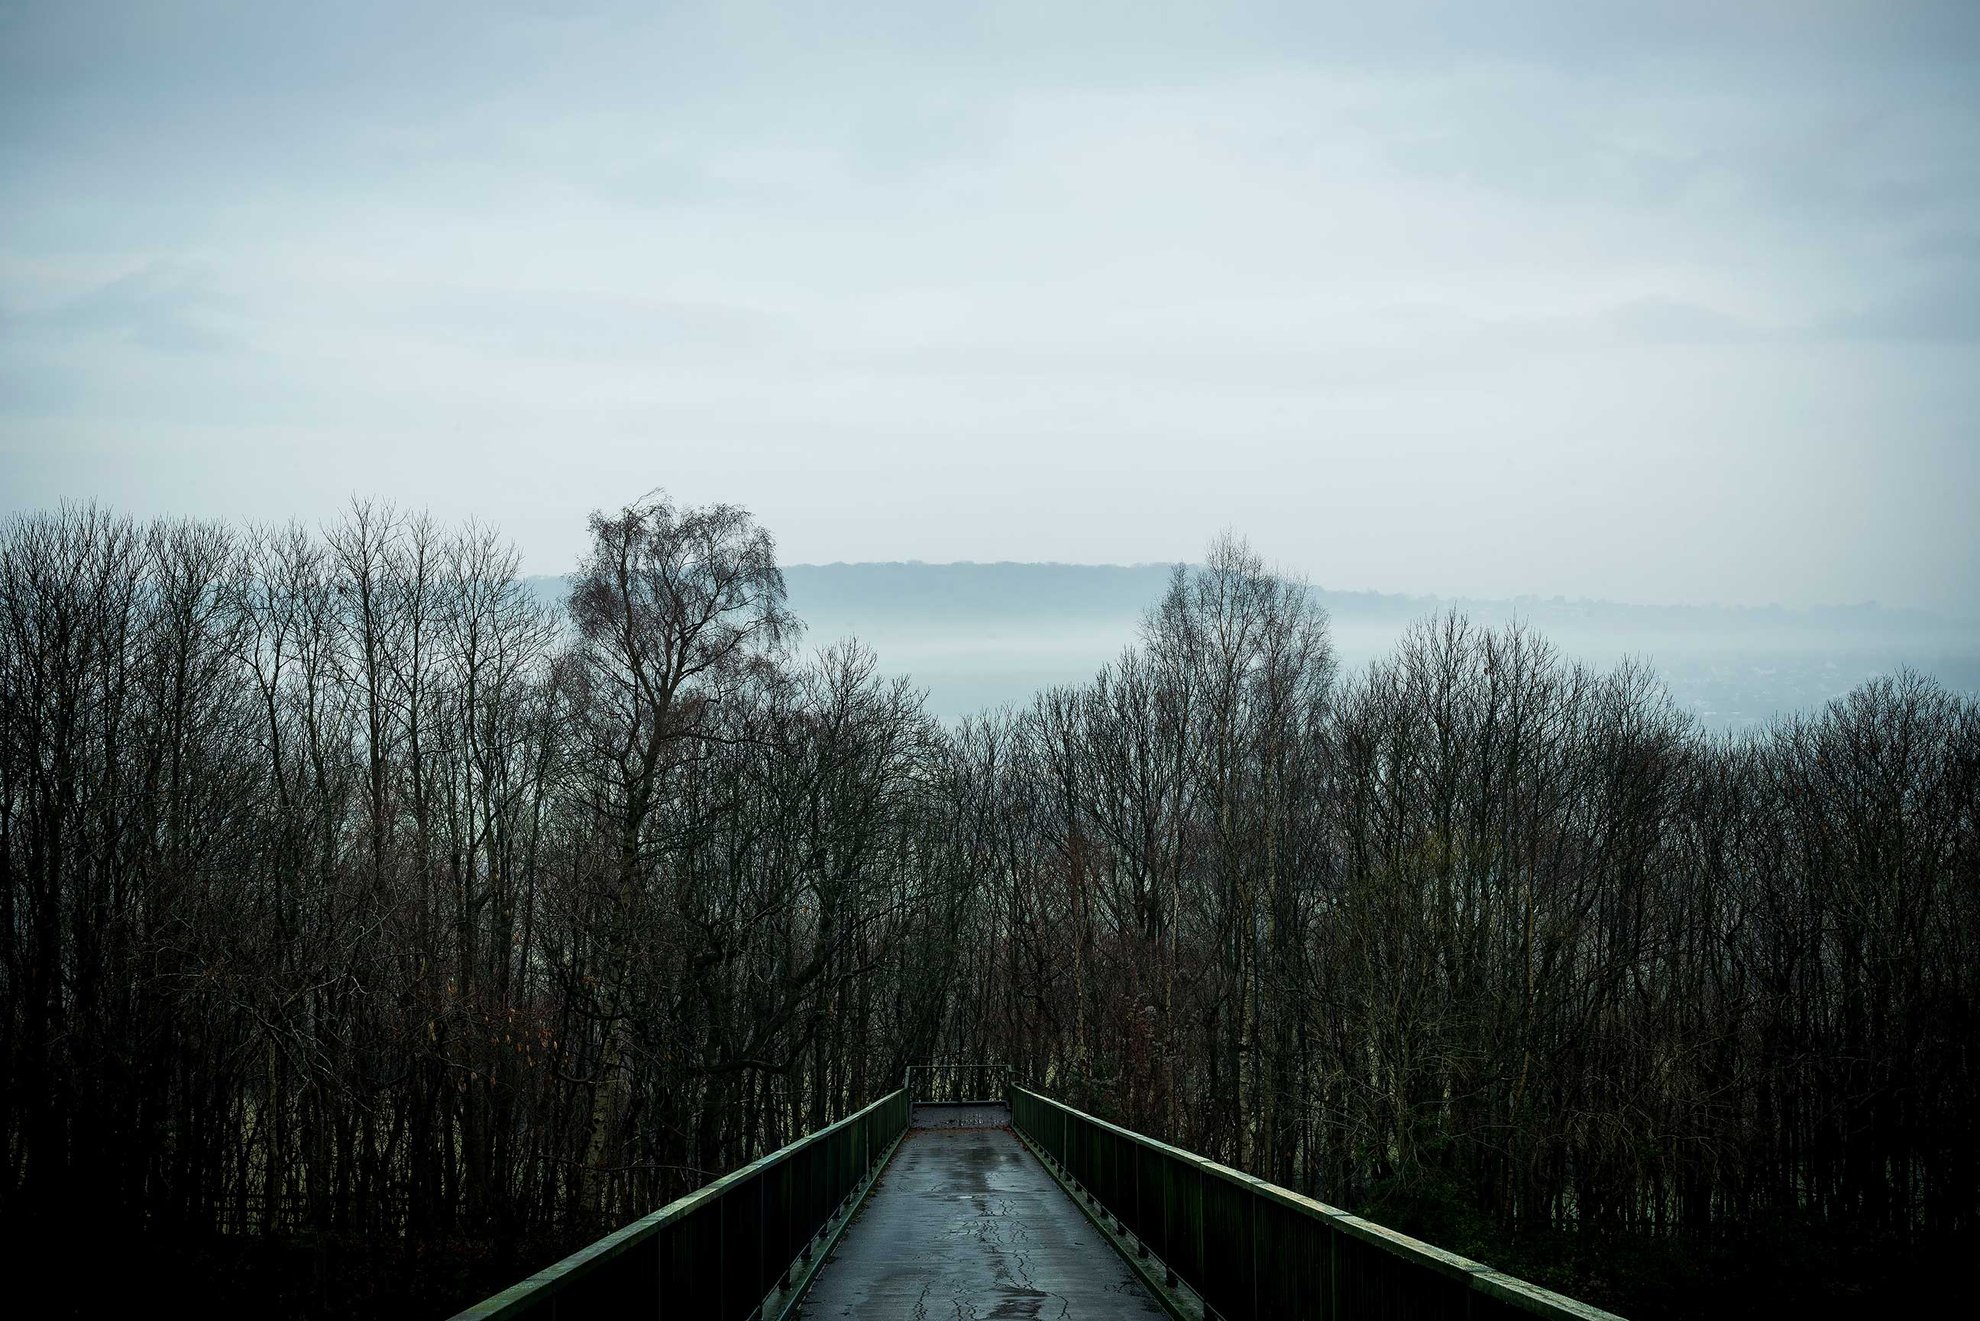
{"type": "Point", "coordinates": [1479, 931]}
{"type": "Point", "coordinates": [352, 894]}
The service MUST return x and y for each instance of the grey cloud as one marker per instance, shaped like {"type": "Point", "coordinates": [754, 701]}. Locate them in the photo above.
{"type": "Point", "coordinates": [1953, 242]}
{"type": "Point", "coordinates": [576, 325]}
{"type": "Point", "coordinates": [1026, 280]}
{"type": "Point", "coordinates": [1945, 311]}
{"type": "Point", "coordinates": [166, 306]}
{"type": "Point", "coordinates": [1674, 321]}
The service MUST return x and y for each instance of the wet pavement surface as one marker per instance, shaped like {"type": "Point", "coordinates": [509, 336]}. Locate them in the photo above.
{"type": "Point", "coordinates": [966, 1225]}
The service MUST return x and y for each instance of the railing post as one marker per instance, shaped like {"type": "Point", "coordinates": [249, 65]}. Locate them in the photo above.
{"type": "Point", "coordinates": [1251, 1206]}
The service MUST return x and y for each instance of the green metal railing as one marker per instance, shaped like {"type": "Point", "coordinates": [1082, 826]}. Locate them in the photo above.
{"type": "Point", "coordinates": [715, 1254]}
{"type": "Point", "coordinates": [1252, 1250]}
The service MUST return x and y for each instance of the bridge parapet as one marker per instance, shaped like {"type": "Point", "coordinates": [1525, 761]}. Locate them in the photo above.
{"type": "Point", "coordinates": [721, 1250]}
{"type": "Point", "coordinates": [1252, 1250]}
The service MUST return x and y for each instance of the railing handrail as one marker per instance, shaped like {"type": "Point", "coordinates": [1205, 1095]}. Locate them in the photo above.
{"type": "Point", "coordinates": [1508, 1288]}
{"type": "Point", "coordinates": [528, 1292]}
{"type": "Point", "coordinates": [992, 1076]}
{"type": "Point", "coordinates": [936, 1066]}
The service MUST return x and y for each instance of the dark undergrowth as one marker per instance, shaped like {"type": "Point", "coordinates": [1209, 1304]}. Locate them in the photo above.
{"type": "Point", "coordinates": [312, 1277]}
{"type": "Point", "coordinates": [1804, 1270]}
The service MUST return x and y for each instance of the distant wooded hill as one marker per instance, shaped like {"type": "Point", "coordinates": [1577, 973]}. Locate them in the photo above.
{"type": "Point", "coordinates": [981, 635]}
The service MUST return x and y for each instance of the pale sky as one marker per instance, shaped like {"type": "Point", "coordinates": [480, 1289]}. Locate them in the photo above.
{"type": "Point", "coordinates": [1653, 302]}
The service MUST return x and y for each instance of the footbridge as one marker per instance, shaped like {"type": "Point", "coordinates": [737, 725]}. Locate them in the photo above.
{"type": "Point", "coordinates": [964, 1195]}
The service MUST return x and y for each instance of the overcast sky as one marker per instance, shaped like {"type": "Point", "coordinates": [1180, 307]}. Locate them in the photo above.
{"type": "Point", "coordinates": [1672, 302]}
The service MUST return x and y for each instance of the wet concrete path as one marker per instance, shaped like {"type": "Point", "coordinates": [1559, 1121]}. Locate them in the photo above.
{"type": "Point", "coordinates": [966, 1225]}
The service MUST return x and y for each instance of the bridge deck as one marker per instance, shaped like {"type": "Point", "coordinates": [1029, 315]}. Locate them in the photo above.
{"type": "Point", "coordinates": [966, 1224]}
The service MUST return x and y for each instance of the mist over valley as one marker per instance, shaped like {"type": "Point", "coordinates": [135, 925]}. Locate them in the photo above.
{"type": "Point", "coordinates": [981, 636]}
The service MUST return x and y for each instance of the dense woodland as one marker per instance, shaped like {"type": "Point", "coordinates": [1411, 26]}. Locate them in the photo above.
{"type": "Point", "coordinates": [374, 930]}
